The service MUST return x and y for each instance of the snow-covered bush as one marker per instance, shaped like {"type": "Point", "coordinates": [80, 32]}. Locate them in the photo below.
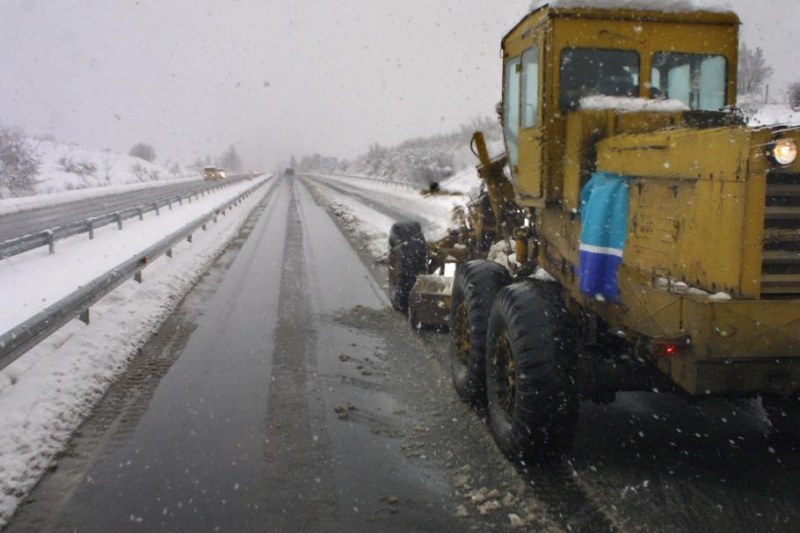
{"type": "Point", "coordinates": [81, 168]}
{"type": "Point", "coordinates": [143, 151]}
{"type": "Point", "coordinates": [19, 164]}
{"type": "Point", "coordinates": [145, 174]}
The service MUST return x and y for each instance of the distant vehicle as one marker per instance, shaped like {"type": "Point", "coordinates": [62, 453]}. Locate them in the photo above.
{"type": "Point", "coordinates": [288, 172]}
{"type": "Point", "coordinates": [213, 173]}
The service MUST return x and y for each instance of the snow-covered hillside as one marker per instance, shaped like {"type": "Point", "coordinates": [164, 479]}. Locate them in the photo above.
{"type": "Point", "coordinates": [422, 160]}
{"type": "Point", "coordinates": [67, 167]}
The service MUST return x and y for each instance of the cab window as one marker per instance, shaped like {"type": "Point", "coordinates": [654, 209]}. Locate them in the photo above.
{"type": "Point", "coordinates": [530, 87]}
{"type": "Point", "coordinates": [596, 72]}
{"type": "Point", "coordinates": [511, 101]}
{"type": "Point", "coordinates": [697, 80]}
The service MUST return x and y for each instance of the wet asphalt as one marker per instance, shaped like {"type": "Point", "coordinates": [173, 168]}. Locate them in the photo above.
{"type": "Point", "coordinates": [284, 395]}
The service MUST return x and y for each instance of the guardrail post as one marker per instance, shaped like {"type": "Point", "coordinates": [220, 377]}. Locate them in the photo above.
{"type": "Point", "coordinates": [169, 204]}
{"type": "Point", "coordinates": [84, 316]}
{"type": "Point", "coordinates": [141, 213]}
{"type": "Point", "coordinates": [155, 206]}
{"type": "Point", "coordinates": [118, 216]}
{"type": "Point", "coordinates": [138, 276]}
{"type": "Point", "coordinates": [189, 238]}
{"type": "Point", "coordinates": [90, 225]}
{"type": "Point", "coordinates": [51, 242]}
{"type": "Point", "coordinates": [169, 253]}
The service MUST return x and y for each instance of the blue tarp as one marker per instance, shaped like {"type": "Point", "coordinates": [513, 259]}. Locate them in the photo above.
{"type": "Point", "coordinates": [604, 219]}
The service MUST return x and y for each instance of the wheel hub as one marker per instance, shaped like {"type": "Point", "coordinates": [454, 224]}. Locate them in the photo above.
{"type": "Point", "coordinates": [506, 378]}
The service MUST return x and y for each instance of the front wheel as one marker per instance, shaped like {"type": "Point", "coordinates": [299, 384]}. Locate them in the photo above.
{"type": "Point", "coordinates": [530, 373]}
{"type": "Point", "coordinates": [408, 258]}
{"type": "Point", "coordinates": [474, 289]}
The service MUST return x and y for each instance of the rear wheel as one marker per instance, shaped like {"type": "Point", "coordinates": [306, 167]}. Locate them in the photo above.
{"type": "Point", "coordinates": [532, 396]}
{"type": "Point", "coordinates": [474, 289]}
{"type": "Point", "coordinates": [407, 259]}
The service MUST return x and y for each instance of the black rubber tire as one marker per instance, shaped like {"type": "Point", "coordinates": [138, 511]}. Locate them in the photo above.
{"type": "Point", "coordinates": [533, 412]}
{"type": "Point", "coordinates": [408, 257]}
{"type": "Point", "coordinates": [783, 414]}
{"type": "Point", "coordinates": [474, 289]}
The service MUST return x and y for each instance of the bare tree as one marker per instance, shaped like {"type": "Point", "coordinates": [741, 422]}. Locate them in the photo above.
{"type": "Point", "coordinates": [143, 151]}
{"type": "Point", "coordinates": [754, 72]}
{"type": "Point", "coordinates": [231, 160]}
{"type": "Point", "coordinates": [18, 164]}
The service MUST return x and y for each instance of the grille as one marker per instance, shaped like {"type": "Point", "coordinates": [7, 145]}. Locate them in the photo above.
{"type": "Point", "coordinates": [780, 263]}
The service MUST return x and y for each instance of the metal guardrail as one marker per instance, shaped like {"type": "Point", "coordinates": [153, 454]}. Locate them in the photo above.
{"type": "Point", "coordinates": [48, 237]}
{"type": "Point", "coordinates": [366, 178]}
{"type": "Point", "coordinates": [15, 342]}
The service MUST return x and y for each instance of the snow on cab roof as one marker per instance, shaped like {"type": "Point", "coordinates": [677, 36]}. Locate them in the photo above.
{"type": "Point", "coordinates": [666, 6]}
{"type": "Point", "coordinates": [625, 104]}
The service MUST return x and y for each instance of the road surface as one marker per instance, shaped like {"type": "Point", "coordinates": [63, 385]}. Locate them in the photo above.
{"type": "Point", "coordinates": [15, 225]}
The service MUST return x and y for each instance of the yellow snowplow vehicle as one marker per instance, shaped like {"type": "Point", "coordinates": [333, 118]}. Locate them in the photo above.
{"type": "Point", "coordinates": [648, 239]}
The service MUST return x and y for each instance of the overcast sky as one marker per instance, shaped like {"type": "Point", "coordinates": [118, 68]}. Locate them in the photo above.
{"type": "Point", "coordinates": [275, 77]}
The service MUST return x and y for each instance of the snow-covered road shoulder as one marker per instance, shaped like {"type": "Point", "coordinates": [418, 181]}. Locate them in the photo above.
{"type": "Point", "coordinates": [370, 226]}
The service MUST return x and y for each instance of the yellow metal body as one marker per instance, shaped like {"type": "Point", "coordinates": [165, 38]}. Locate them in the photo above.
{"type": "Point", "coordinates": [708, 209]}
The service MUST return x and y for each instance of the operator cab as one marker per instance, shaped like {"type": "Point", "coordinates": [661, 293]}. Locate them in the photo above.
{"type": "Point", "coordinates": [560, 61]}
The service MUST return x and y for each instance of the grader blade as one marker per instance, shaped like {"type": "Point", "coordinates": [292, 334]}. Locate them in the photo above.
{"type": "Point", "coordinates": [429, 302]}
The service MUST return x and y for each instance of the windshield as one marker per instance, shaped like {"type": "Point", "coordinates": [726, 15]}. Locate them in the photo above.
{"type": "Point", "coordinates": [595, 72]}
{"type": "Point", "coordinates": [697, 80]}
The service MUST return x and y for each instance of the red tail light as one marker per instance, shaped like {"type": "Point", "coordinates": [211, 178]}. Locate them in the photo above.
{"type": "Point", "coordinates": [670, 348]}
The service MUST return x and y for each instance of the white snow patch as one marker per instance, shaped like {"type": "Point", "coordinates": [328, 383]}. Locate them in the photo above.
{"type": "Point", "coordinates": [720, 297]}
{"type": "Point", "coordinates": [681, 287]}
{"type": "Point", "coordinates": [542, 275]}
{"type": "Point", "coordinates": [775, 115]}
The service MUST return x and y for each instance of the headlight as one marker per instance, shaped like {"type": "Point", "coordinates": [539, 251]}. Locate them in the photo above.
{"type": "Point", "coordinates": [784, 151]}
